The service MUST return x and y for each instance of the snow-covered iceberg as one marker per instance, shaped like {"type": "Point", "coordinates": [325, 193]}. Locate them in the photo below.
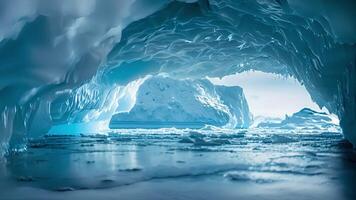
{"type": "Point", "coordinates": [165, 102]}
{"type": "Point", "coordinates": [306, 119]}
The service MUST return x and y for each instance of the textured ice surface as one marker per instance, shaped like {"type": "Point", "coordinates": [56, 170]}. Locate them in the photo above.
{"type": "Point", "coordinates": [81, 54]}
{"type": "Point", "coordinates": [165, 102]}
{"type": "Point", "coordinates": [183, 164]}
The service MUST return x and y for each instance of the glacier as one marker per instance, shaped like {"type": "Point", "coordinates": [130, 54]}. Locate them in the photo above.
{"type": "Point", "coordinates": [68, 63]}
{"type": "Point", "coordinates": [165, 102]}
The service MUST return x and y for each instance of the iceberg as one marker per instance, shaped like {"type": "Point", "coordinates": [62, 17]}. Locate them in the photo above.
{"type": "Point", "coordinates": [305, 119]}
{"type": "Point", "coordinates": [165, 102]}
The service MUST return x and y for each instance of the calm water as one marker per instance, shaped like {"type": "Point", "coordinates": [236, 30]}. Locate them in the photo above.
{"type": "Point", "coordinates": [183, 164]}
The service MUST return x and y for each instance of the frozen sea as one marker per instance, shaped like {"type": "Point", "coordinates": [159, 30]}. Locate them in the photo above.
{"type": "Point", "coordinates": [183, 164]}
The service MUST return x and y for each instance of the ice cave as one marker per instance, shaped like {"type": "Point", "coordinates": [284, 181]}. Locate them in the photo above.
{"type": "Point", "coordinates": [177, 99]}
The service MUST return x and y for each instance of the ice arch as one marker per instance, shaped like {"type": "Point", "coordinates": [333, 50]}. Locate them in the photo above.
{"type": "Point", "coordinates": [50, 49]}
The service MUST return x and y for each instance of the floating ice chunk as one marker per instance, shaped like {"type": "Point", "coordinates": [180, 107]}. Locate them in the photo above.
{"type": "Point", "coordinates": [257, 177]}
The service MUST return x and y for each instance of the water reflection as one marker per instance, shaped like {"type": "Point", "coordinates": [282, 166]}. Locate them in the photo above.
{"type": "Point", "coordinates": [271, 163]}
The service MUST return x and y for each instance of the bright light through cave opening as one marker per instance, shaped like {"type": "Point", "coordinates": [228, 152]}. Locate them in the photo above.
{"type": "Point", "coordinates": [272, 95]}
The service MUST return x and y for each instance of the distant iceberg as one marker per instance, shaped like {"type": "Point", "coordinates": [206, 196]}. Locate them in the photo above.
{"type": "Point", "coordinates": [304, 119]}
{"type": "Point", "coordinates": [166, 102]}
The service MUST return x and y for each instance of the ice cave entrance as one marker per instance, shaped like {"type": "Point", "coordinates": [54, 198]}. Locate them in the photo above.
{"type": "Point", "coordinates": [249, 99]}
{"type": "Point", "coordinates": [272, 97]}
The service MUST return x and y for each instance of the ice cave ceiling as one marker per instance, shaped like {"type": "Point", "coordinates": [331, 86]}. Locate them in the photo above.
{"type": "Point", "coordinates": [74, 62]}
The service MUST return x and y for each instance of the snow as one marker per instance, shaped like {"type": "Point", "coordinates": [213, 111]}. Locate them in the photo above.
{"type": "Point", "coordinates": [166, 102]}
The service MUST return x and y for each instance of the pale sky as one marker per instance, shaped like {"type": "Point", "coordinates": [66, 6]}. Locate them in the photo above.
{"type": "Point", "coordinates": [270, 95]}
